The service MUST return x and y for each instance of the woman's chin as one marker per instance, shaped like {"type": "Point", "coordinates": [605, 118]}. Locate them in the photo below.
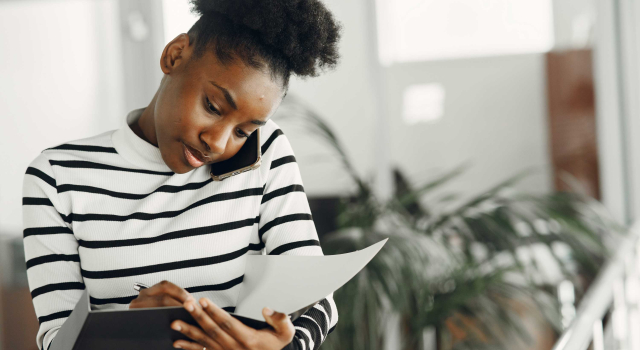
{"type": "Point", "coordinates": [181, 171]}
{"type": "Point", "coordinates": [177, 165]}
{"type": "Point", "coordinates": [181, 167]}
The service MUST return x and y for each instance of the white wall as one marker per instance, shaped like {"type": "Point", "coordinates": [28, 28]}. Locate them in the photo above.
{"type": "Point", "coordinates": [495, 111]}
{"type": "Point", "coordinates": [61, 80]}
{"type": "Point", "coordinates": [345, 98]}
{"type": "Point", "coordinates": [495, 118]}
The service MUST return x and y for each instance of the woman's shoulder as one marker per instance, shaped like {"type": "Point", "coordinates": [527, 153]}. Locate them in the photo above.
{"type": "Point", "coordinates": [268, 129]}
{"type": "Point", "coordinates": [78, 149]}
{"type": "Point", "coordinates": [273, 138]}
{"type": "Point", "coordinates": [94, 143]}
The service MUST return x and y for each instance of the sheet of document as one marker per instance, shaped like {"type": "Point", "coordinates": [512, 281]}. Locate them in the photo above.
{"type": "Point", "coordinates": [287, 283]}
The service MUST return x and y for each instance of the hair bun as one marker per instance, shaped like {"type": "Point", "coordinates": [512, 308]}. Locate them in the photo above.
{"type": "Point", "coordinates": [304, 31]}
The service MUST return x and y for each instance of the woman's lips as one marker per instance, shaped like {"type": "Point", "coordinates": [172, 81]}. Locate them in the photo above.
{"type": "Point", "coordinates": [191, 157]}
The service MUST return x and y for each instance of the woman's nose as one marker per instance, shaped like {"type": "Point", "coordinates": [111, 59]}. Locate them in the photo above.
{"type": "Point", "coordinates": [216, 139]}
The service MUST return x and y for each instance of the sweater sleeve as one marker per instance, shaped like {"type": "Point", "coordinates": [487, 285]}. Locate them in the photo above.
{"type": "Point", "coordinates": [51, 251]}
{"type": "Point", "coordinates": [286, 227]}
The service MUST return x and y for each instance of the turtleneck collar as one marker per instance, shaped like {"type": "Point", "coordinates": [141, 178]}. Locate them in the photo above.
{"type": "Point", "coordinates": [134, 149]}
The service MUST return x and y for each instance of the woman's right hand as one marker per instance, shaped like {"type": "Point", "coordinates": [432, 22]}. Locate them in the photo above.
{"type": "Point", "coordinates": [161, 294]}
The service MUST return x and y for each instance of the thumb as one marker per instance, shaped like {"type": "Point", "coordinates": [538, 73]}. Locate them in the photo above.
{"type": "Point", "coordinates": [280, 322]}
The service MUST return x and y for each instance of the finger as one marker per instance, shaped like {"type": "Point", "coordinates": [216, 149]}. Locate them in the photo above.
{"type": "Point", "coordinates": [137, 303]}
{"type": "Point", "coordinates": [280, 322]}
{"type": "Point", "coordinates": [158, 301]}
{"type": "Point", "coordinates": [210, 327]}
{"type": "Point", "coordinates": [187, 345]}
{"type": "Point", "coordinates": [236, 329]}
{"type": "Point", "coordinates": [195, 333]}
{"type": "Point", "coordinates": [166, 300]}
{"type": "Point", "coordinates": [168, 288]}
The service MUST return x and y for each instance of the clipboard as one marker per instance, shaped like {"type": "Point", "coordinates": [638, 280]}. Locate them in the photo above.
{"type": "Point", "coordinates": [282, 282]}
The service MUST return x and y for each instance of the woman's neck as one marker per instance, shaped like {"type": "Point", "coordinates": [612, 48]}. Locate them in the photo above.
{"type": "Point", "coordinates": [144, 127]}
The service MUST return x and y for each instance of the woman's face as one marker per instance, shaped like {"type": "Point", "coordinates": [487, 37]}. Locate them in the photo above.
{"type": "Point", "coordinates": [205, 110]}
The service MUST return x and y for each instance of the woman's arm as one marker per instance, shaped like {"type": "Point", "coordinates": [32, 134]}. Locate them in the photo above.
{"type": "Point", "coordinates": [51, 251]}
{"type": "Point", "coordinates": [286, 227]}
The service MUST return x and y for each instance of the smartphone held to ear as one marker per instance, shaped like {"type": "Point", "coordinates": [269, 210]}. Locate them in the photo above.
{"type": "Point", "coordinates": [248, 158]}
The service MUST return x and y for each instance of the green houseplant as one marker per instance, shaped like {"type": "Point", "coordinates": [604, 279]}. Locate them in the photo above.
{"type": "Point", "coordinates": [460, 270]}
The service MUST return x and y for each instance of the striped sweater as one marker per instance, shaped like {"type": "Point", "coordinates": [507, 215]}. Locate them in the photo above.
{"type": "Point", "coordinates": [104, 212]}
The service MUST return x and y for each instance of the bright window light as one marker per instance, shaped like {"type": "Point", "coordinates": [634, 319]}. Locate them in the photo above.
{"type": "Point", "coordinates": [419, 30]}
{"type": "Point", "coordinates": [177, 18]}
{"type": "Point", "coordinates": [423, 103]}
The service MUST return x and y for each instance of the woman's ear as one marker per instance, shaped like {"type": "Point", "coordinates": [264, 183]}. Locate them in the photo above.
{"type": "Point", "coordinates": [175, 53]}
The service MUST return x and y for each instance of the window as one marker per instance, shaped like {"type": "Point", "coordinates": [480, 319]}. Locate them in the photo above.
{"type": "Point", "coordinates": [418, 30]}
{"type": "Point", "coordinates": [423, 103]}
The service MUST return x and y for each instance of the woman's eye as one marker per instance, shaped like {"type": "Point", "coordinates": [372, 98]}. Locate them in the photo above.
{"type": "Point", "coordinates": [211, 107]}
{"type": "Point", "coordinates": [242, 133]}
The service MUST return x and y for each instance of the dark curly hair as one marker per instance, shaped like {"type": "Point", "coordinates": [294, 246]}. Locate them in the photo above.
{"type": "Point", "coordinates": [288, 36]}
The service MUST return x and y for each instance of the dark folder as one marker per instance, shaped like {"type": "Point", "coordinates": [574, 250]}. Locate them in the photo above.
{"type": "Point", "coordinates": [132, 329]}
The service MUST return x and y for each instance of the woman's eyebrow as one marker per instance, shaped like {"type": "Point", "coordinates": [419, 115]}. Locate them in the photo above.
{"type": "Point", "coordinates": [230, 100]}
{"type": "Point", "coordinates": [227, 95]}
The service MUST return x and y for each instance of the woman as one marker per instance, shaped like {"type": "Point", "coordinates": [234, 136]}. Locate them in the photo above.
{"type": "Point", "coordinates": [138, 204]}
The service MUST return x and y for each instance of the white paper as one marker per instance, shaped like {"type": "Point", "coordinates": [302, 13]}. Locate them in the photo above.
{"type": "Point", "coordinates": [287, 283]}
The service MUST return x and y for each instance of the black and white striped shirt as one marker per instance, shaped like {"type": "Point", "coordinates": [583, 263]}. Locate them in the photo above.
{"type": "Point", "coordinates": [104, 212]}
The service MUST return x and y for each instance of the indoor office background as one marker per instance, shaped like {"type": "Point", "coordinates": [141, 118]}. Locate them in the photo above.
{"type": "Point", "coordinates": [502, 132]}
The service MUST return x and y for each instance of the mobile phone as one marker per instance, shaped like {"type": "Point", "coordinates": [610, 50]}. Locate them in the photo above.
{"type": "Point", "coordinates": [248, 158]}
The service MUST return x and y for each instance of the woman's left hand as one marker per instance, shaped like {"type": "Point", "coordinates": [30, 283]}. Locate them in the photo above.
{"type": "Point", "coordinates": [221, 331]}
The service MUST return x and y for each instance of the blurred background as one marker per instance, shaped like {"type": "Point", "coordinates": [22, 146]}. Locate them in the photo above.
{"type": "Point", "coordinates": [496, 141]}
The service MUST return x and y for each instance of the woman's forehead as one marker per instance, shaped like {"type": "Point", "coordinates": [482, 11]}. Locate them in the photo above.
{"type": "Point", "coordinates": [248, 87]}
{"type": "Point", "coordinates": [237, 75]}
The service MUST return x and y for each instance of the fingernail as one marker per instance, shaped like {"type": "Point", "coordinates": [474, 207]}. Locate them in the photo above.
{"type": "Point", "coordinates": [190, 307]}
{"type": "Point", "coordinates": [177, 346]}
{"type": "Point", "coordinates": [268, 311]}
{"type": "Point", "coordinates": [204, 303]}
{"type": "Point", "coordinates": [176, 327]}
